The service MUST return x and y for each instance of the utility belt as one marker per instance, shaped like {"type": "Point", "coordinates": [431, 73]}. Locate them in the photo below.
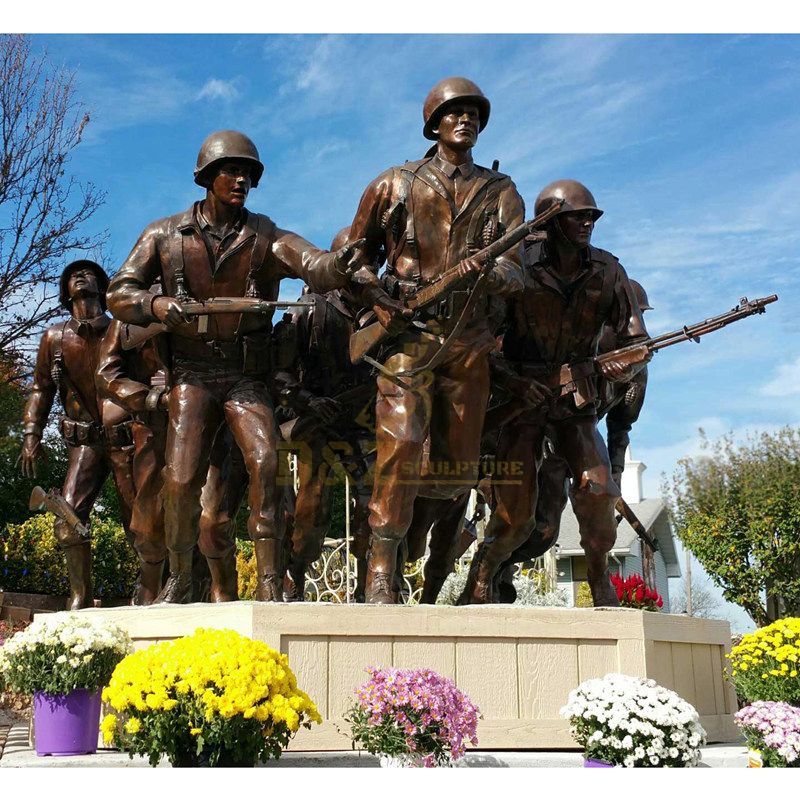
{"type": "Point", "coordinates": [578, 378]}
{"type": "Point", "coordinates": [444, 313]}
{"type": "Point", "coordinates": [249, 354]}
{"type": "Point", "coordinates": [77, 432]}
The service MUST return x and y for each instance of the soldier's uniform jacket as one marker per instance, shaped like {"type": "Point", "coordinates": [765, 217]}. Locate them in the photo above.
{"type": "Point", "coordinates": [250, 263]}
{"type": "Point", "coordinates": [132, 377]}
{"type": "Point", "coordinates": [66, 363]}
{"type": "Point", "coordinates": [552, 323]}
{"type": "Point", "coordinates": [425, 227]}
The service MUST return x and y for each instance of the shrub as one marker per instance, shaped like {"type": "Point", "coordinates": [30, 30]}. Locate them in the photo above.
{"type": "Point", "coordinates": [764, 665]}
{"type": "Point", "coordinates": [32, 560]}
{"type": "Point", "coordinates": [633, 722]}
{"type": "Point", "coordinates": [529, 587]}
{"type": "Point", "coordinates": [773, 729]}
{"type": "Point", "coordinates": [63, 652]}
{"type": "Point", "coordinates": [413, 713]}
{"type": "Point", "coordinates": [215, 698]}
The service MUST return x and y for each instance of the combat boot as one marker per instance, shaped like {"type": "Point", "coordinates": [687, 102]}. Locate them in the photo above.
{"type": "Point", "coordinates": [479, 587]}
{"type": "Point", "coordinates": [178, 589]}
{"type": "Point", "coordinates": [268, 558]}
{"type": "Point", "coordinates": [603, 592]}
{"type": "Point", "coordinates": [503, 589]}
{"type": "Point", "coordinates": [224, 580]}
{"type": "Point", "coordinates": [294, 582]}
{"type": "Point", "coordinates": [148, 583]}
{"type": "Point", "coordinates": [79, 568]}
{"type": "Point", "coordinates": [381, 566]}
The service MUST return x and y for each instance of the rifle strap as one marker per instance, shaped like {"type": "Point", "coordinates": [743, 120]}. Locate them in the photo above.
{"type": "Point", "coordinates": [476, 293]}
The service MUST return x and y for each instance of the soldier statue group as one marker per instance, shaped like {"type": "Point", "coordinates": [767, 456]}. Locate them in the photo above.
{"type": "Point", "coordinates": [441, 342]}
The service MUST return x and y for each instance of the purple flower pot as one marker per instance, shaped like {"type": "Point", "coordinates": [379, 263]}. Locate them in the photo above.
{"type": "Point", "coordinates": [596, 763]}
{"type": "Point", "coordinates": [65, 725]}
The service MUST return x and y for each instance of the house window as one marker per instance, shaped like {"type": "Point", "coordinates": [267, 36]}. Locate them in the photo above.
{"type": "Point", "coordinates": [579, 568]}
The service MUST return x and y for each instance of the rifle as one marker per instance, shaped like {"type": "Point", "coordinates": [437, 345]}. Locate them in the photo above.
{"type": "Point", "coordinates": [202, 308]}
{"type": "Point", "coordinates": [649, 545]}
{"type": "Point", "coordinates": [366, 339]}
{"type": "Point", "coordinates": [53, 501]}
{"type": "Point", "coordinates": [575, 378]}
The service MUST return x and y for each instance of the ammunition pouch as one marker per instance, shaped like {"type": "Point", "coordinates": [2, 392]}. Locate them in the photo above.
{"type": "Point", "coordinates": [77, 432]}
{"type": "Point", "coordinates": [120, 435]}
{"type": "Point", "coordinates": [256, 350]}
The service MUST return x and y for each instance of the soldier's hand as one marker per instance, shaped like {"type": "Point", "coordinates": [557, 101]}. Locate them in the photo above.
{"type": "Point", "coordinates": [32, 451]}
{"type": "Point", "coordinates": [392, 314]}
{"type": "Point", "coordinates": [169, 311]}
{"type": "Point", "coordinates": [349, 258]}
{"type": "Point", "coordinates": [327, 409]}
{"type": "Point", "coordinates": [470, 267]}
{"type": "Point", "coordinates": [163, 400]}
{"type": "Point", "coordinates": [616, 371]}
{"type": "Point", "coordinates": [537, 393]}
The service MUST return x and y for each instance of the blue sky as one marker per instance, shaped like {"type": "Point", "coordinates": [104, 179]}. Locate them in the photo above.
{"type": "Point", "coordinates": [689, 143]}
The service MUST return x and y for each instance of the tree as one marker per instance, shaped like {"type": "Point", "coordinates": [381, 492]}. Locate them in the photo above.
{"type": "Point", "coordinates": [738, 511]}
{"type": "Point", "coordinates": [42, 208]}
{"type": "Point", "coordinates": [704, 602]}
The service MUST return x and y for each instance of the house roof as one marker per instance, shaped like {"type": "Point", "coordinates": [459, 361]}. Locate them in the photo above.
{"type": "Point", "coordinates": [654, 517]}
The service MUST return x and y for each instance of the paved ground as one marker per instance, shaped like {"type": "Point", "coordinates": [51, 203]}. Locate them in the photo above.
{"type": "Point", "coordinates": [18, 754]}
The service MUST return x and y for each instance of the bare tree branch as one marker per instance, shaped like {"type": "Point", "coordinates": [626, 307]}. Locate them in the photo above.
{"type": "Point", "coordinates": [43, 210]}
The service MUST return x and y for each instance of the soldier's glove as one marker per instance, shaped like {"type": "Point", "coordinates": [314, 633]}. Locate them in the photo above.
{"type": "Point", "coordinates": [169, 311]}
{"type": "Point", "coordinates": [391, 314]}
{"type": "Point", "coordinates": [349, 258]}
{"type": "Point", "coordinates": [326, 409]}
{"type": "Point", "coordinates": [529, 389]}
{"type": "Point", "coordinates": [32, 451]}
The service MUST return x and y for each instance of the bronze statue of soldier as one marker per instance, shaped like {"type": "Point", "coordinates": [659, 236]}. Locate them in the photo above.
{"type": "Point", "coordinates": [333, 426]}
{"type": "Point", "coordinates": [429, 216]}
{"type": "Point", "coordinates": [572, 291]}
{"type": "Point", "coordinates": [620, 404]}
{"type": "Point", "coordinates": [220, 363]}
{"type": "Point", "coordinates": [96, 432]}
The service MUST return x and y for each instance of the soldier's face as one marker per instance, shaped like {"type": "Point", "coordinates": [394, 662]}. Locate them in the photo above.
{"type": "Point", "coordinates": [577, 227]}
{"type": "Point", "coordinates": [232, 183]}
{"type": "Point", "coordinates": [458, 126]}
{"type": "Point", "coordinates": [82, 283]}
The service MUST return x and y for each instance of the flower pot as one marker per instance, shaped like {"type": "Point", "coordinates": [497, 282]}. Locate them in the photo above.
{"type": "Point", "coordinates": [596, 763]}
{"type": "Point", "coordinates": [192, 760]}
{"type": "Point", "coordinates": [65, 725]}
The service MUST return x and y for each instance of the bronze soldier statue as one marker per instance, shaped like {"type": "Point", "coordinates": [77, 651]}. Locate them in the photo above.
{"type": "Point", "coordinates": [572, 291]}
{"type": "Point", "coordinates": [333, 425]}
{"type": "Point", "coordinates": [133, 372]}
{"type": "Point", "coordinates": [429, 216]}
{"type": "Point", "coordinates": [220, 369]}
{"type": "Point", "coordinates": [620, 402]}
{"type": "Point", "coordinates": [97, 433]}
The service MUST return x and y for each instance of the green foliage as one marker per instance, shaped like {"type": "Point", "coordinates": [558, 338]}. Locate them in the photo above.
{"type": "Point", "coordinates": [32, 561]}
{"type": "Point", "coordinates": [738, 511]}
{"type": "Point", "coordinates": [584, 598]}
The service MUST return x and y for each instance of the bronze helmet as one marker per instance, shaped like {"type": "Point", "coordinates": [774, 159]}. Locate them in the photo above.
{"type": "Point", "coordinates": [446, 91]}
{"type": "Point", "coordinates": [225, 146]}
{"type": "Point", "coordinates": [575, 195]}
{"type": "Point", "coordinates": [641, 295]}
{"type": "Point", "coordinates": [100, 273]}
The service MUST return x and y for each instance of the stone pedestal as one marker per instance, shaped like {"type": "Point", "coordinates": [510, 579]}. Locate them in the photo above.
{"type": "Point", "coordinates": [517, 663]}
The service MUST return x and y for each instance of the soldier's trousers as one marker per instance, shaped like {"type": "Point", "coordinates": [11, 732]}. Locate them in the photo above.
{"type": "Point", "coordinates": [199, 403]}
{"type": "Point", "coordinates": [88, 466]}
{"type": "Point", "coordinates": [147, 520]}
{"type": "Point", "coordinates": [593, 493]}
{"type": "Point", "coordinates": [450, 404]}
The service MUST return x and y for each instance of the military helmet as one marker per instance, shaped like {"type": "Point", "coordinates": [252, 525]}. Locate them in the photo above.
{"type": "Point", "coordinates": [447, 91]}
{"type": "Point", "coordinates": [641, 295]}
{"type": "Point", "coordinates": [575, 195]}
{"type": "Point", "coordinates": [226, 146]}
{"type": "Point", "coordinates": [100, 274]}
{"type": "Point", "coordinates": [341, 239]}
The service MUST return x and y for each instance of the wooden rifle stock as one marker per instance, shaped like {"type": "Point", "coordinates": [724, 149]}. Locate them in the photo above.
{"type": "Point", "coordinates": [369, 337]}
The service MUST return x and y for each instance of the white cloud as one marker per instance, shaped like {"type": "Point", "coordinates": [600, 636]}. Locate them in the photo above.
{"type": "Point", "coordinates": [785, 382]}
{"type": "Point", "coordinates": [217, 89]}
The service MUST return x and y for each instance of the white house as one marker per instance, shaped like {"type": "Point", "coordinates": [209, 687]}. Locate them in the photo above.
{"type": "Point", "coordinates": [626, 556]}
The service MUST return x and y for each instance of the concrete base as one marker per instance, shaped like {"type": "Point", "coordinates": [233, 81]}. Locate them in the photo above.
{"type": "Point", "coordinates": [518, 664]}
{"type": "Point", "coordinates": [19, 755]}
